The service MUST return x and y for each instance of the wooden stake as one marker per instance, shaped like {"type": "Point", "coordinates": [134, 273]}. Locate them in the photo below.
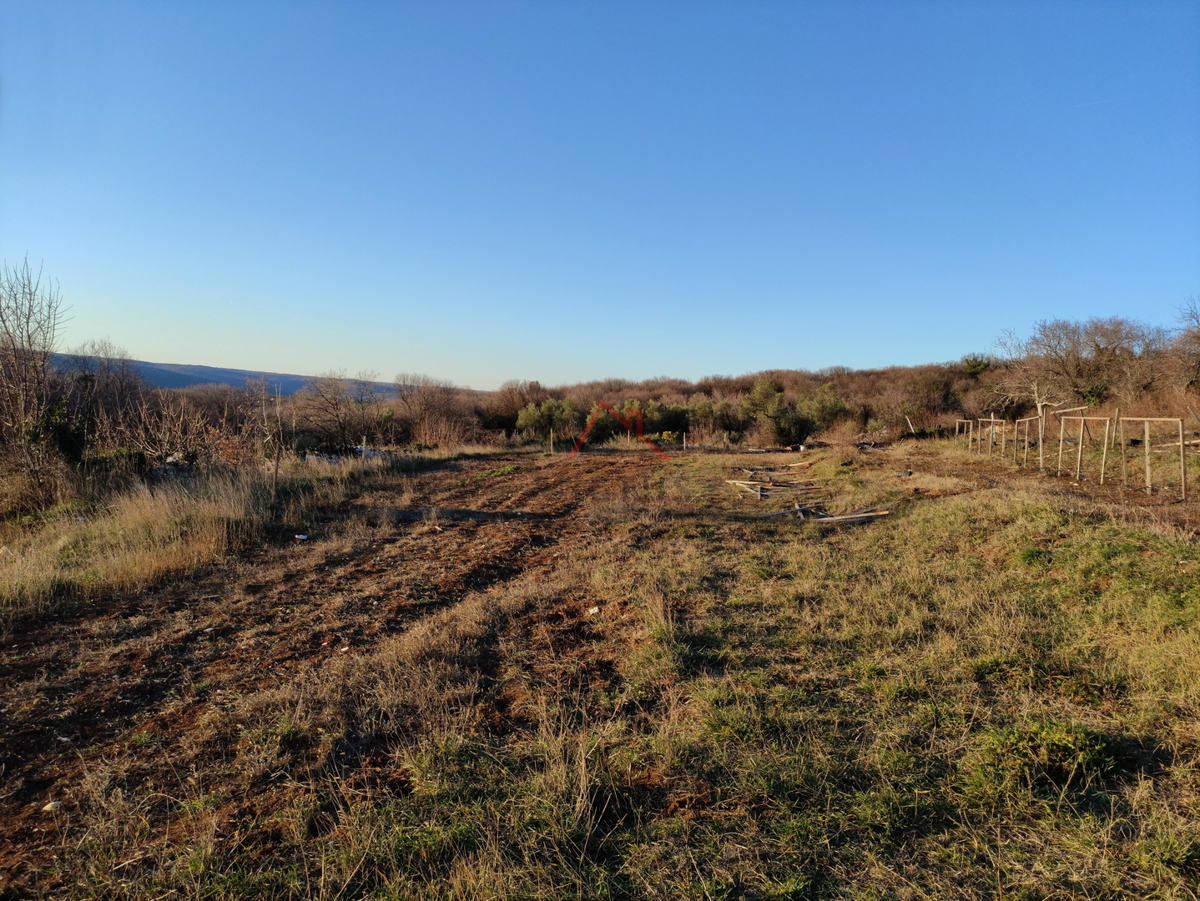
{"type": "Point", "coordinates": [1124, 462]}
{"type": "Point", "coordinates": [1146, 441]}
{"type": "Point", "coordinates": [1060, 446]}
{"type": "Point", "coordinates": [1104, 455]}
{"type": "Point", "coordinates": [1182, 464]}
{"type": "Point", "coordinates": [1079, 451]}
{"type": "Point", "coordinates": [1042, 443]}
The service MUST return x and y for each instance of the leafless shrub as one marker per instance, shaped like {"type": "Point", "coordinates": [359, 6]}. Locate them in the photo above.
{"type": "Point", "coordinates": [433, 411]}
{"type": "Point", "coordinates": [341, 411]}
{"type": "Point", "coordinates": [30, 317]}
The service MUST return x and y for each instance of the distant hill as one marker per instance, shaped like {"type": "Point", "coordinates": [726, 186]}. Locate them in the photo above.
{"type": "Point", "coordinates": [183, 375]}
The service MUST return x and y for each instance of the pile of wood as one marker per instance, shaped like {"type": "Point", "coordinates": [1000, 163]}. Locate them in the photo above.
{"type": "Point", "coordinates": [816, 513]}
{"type": "Point", "coordinates": [767, 483]}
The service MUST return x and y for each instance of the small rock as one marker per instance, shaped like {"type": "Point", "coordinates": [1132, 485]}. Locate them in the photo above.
{"type": "Point", "coordinates": [52, 806]}
{"type": "Point", "coordinates": [593, 611]}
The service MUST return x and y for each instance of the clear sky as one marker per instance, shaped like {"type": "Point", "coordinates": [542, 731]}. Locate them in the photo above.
{"type": "Point", "coordinates": [570, 190]}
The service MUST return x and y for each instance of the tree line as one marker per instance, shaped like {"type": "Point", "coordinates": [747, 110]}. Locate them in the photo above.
{"type": "Point", "coordinates": [85, 421]}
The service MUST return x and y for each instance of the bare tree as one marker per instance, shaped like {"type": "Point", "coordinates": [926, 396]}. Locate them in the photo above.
{"type": "Point", "coordinates": [98, 383]}
{"type": "Point", "coordinates": [167, 429]}
{"type": "Point", "coordinates": [31, 315]}
{"type": "Point", "coordinates": [433, 410]}
{"type": "Point", "coordinates": [340, 410]}
{"type": "Point", "coordinates": [1081, 362]}
{"type": "Point", "coordinates": [1025, 378]}
{"type": "Point", "coordinates": [504, 405]}
{"type": "Point", "coordinates": [1186, 346]}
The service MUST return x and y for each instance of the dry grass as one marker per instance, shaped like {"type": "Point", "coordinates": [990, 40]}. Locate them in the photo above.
{"type": "Point", "coordinates": [146, 533]}
{"type": "Point", "coordinates": [992, 694]}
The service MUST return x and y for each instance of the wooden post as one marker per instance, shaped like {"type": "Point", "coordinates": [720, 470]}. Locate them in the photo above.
{"type": "Point", "coordinates": [1116, 419]}
{"type": "Point", "coordinates": [1060, 445]}
{"type": "Point", "coordinates": [552, 442]}
{"type": "Point", "coordinates": [1079, 451]}
{"type": "Point", "coordinates": [1042, 434]}
{"type": "Point", "coordinates": [1104, 455]}
{"type": "Point", "coordinates": [1124, 461]}
{"type": "Point", "coordinates": [1146, 442]}
{"type": "Point", "coordinates": [1182, 464]}
{"type": "Point", "coordinates": [1025, 457]}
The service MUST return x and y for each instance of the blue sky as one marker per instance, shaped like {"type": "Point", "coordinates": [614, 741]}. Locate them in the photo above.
{"type": "Point", "coordinates": [572, 190]}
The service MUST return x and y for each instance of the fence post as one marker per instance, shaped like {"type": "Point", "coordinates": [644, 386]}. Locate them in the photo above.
{"type": "Point", "coordinates": [1061, 424]}
{"type": "Point", "coordinates": [1079, 451]}
{"type": "Point", "coordinates": [1182, 464]}
{"type": "Point", "coordinates": [1124, 455]}
{"type": "Point", "coordinates": [1104, 455]}
{"type": "Point", "coordinates": [1146, 442]}
{"type": "Point", "coordinates": [1042, 441]}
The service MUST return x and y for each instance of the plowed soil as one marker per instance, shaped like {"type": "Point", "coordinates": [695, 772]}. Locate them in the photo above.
{"type": "Point", "coordinates": [134, 671]}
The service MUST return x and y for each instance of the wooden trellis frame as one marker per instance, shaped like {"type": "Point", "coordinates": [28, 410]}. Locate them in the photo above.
{"type": "Point", "coordinates": [990, 426]}
{"type": "Point", "coordinates": [1145, 421]}
{"type": "Point", "coordinates": [1083, 421]}
{"type": "Point", "coordinates": [1016, 437]}
{"type": "Point", "coordinates": [1042, 431]}
{"type": "Point", "coordinates": [963, 427]}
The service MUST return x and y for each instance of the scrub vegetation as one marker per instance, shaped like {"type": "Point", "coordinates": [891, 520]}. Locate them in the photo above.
{"type": "Point", "coordinates": [384, 644]}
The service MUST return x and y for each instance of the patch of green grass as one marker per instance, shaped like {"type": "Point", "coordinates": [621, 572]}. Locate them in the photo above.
{"type": "Point", "coordinates": [499, 471]}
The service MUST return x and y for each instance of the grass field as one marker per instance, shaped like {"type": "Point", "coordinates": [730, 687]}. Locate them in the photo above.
{"type": "Point", "coordinates": [508, 676]}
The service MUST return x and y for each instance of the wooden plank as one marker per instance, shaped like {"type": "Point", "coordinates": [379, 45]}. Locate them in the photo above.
{"type": "Point", "coordinates": [851, 518]}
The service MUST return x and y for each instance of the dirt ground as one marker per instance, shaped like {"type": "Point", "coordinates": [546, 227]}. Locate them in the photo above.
{"type": "Point", "coordinates": [121, 678]}
{"type": "Point", "coordinates": [133, 671]}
